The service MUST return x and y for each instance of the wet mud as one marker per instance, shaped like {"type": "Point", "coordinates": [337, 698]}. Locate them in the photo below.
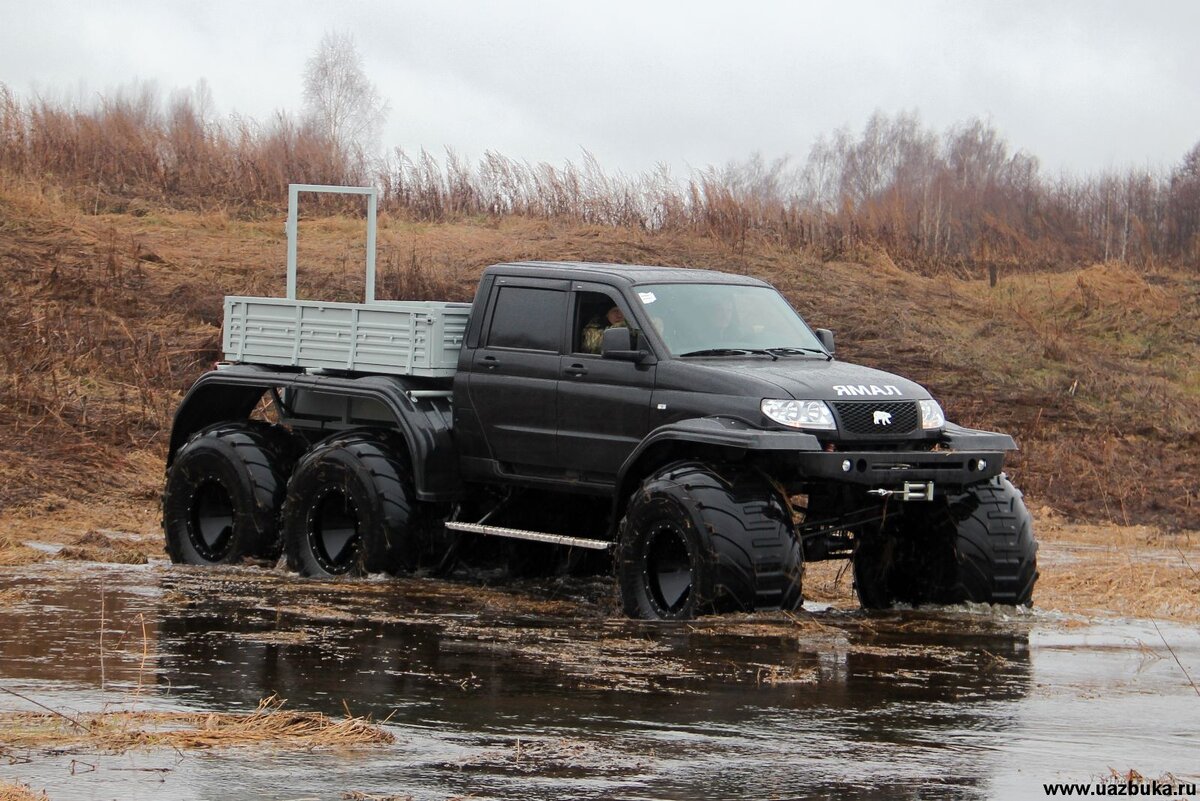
{"type": "Point", "coordinates": [537, 690]}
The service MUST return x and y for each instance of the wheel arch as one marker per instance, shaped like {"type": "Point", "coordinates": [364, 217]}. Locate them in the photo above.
{"type": "Point", "coordinates": [423, 421]}
{"type": "Point", "coordinates": [206, 403]}
{"type": "Point", "coordinates": [706, 439]}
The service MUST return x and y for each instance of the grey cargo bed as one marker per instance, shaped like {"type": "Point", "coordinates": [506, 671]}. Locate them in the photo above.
{"type": "Point", "coordinates": [419, 338]}
{"type": "Point", "coordinates": [400, 337]}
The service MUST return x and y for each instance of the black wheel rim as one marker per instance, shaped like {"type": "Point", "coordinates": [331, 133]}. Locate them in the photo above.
{"type": "Point", "coordinates": [210, 527]}
{"type": "Point", "coordinates": [668, 569]}
{"type": "Point", "coordinates": [333, 531]}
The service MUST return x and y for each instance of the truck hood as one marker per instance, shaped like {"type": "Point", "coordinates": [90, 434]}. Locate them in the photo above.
{"type": "Point", "coordinates": [816, 379]}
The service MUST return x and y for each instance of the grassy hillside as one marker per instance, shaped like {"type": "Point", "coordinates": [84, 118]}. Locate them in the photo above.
{"type": "Point", "coordinates": [107, 318]}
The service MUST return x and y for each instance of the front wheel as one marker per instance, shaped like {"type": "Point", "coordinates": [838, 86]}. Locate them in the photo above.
{"type": "Point", "coordinates": [977, 546]}
{"type": "Point", "coordinates": [700, 539]}
{"type": "Point", "coordinates": [350, 509]}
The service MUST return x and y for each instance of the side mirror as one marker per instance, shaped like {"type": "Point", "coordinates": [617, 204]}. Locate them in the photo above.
{"type": "Point", "coordinates": [826, 337]}
{"type": "Point", "coordinates": [617, 343]}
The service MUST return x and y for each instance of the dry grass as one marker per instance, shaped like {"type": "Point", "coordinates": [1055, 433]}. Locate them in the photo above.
{"type": "Point", "coordinates": [131, 139]}
{"type": "Point", "coordinates": [20, 792]}
{"type": "Point", "coordinates": [1128, 572]}
{"type": "Point", "coordinates": [119, 731]}
{"type": "Point", "coordinates": [11, 597]}
{"type": "Point", "coordinates": [14, 552]}
{"type": "Point", "coordinates": [96, 546]}
{"type": "Point", "coordinates": [1086, 569]}
{"type": "Point", "coordinates": [919, 199]}
{"type": "Point", "coordinates": [112, 530]}
{"type": "Point", "coordinates": [830, 583]}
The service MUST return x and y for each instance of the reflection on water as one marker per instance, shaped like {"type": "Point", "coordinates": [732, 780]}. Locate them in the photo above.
{"type": "Point", "coordinates": [540, 694]}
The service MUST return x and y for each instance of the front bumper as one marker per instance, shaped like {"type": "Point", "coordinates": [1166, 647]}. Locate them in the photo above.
{"type": "Point", "coordinates": [892, 469]}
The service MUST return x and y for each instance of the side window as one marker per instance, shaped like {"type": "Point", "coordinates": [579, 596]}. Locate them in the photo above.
{"type": "Point", "coordinates": [528, 318]}
{"type": "Point", "coordinates": [593, 314]}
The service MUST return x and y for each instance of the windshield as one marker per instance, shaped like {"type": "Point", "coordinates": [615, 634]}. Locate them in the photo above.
{"type": "Point", "coordinates": [698, 318]}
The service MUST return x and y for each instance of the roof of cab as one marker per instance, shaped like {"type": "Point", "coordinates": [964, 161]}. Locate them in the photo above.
{"type": "Point", "coordinates": [629, 273]}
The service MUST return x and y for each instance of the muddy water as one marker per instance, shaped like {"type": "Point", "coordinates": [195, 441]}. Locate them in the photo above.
{"type": "Point", "coordinates": [539, 692]}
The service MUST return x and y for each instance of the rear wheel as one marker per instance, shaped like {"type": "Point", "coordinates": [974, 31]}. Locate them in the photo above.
{"type": "Point", "coordinates": [699, 539]}
{"type": "Point", "coordinates": [350, 509]}
{"type": "Point", "coordinates": [224, 491]}
{"type": "Point", "coordinates": [976, 546]}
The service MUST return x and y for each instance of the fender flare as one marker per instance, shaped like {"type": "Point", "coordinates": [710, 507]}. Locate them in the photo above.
{"type": "Point", "coordinates": [971, 439]}
{"type": "Point", "coordinates": [726, 434]}
{"type": "Point", "coordinates": [424, 422]}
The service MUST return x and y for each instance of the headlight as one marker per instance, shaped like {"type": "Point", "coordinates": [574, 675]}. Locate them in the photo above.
{"type": "Point", "coordinates": [931, 414]}
{"type": "Point", "coordinates": [800, 413]}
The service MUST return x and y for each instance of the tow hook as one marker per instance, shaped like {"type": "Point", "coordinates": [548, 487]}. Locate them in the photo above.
{"type": "Point", "coordinates": [912, 491]}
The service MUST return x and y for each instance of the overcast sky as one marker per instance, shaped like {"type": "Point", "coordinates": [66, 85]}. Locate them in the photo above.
{"type": "Point", "coordinates": [1084, 86]}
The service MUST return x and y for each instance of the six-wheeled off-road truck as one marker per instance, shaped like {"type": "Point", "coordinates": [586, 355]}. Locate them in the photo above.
{"type": "Point", "coordinates": [685, 425]}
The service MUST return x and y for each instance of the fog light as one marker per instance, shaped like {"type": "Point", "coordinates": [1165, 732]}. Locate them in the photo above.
{"type": "Point", "coordinates": [982, 465]}
{"type": "Point", "coordinates": [846, 465]}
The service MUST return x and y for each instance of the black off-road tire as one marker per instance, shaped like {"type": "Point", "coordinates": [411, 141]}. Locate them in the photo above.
{"type": "Point", "coordinates": [351, 509]}
{"type": "Point", "coordinates": [699, 539]}
{"type": "Point", "coordinates": [882, 572]}
{"type": "Point", "coordinates": [224, 491]}
{"type": "Point", "coordinates": [977, 546]}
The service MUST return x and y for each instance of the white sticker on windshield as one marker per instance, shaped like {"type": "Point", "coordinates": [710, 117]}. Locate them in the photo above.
{"type": "Point", "coordinates": [647, 297]}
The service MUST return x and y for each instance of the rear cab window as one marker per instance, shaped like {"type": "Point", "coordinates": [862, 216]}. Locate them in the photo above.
{"type": "Point", "coordinates": [527, 318]}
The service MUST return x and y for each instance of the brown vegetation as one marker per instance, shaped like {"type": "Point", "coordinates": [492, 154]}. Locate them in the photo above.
{"type": "Point", "coordinates": [13, 552]}
{"type": "Point", "coordinates": [130, 151]}
{"type": "Point", "coordinates": [1134, 571]}
{"type": "Point", "coordinates": [19, 792]}
{"type": "Point", "coordinates": [959, 200]}
{"type": "Point", "coordinates": [120, 731]}
{"type": "Point", "coordinates": [1086, 569]}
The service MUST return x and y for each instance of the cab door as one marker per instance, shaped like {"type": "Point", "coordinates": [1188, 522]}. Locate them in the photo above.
{"type": "Point", "coordinates": [514, 376]}
{"type": "Point", "coordinates": [603, 404]}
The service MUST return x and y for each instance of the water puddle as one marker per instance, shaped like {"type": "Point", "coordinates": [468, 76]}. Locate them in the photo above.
{"type": "Point", "coordinates": [540, 691]}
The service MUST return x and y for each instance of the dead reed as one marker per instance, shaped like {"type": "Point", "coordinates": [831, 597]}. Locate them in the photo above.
{"type": "Point", "coordinates": [20, 792]}
{"type": "Point", "coordinates": [118, 731]}
{"type": "Point", "coordinates": [13, 552]}
{"type": "Point", "coordinates": [95, 546]}
{"type": "Point", "coordinates": [956, 201]}
{"type": "Point", "coordinates": [131, 140]}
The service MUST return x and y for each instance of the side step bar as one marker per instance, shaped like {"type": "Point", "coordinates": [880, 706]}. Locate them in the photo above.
{"type": "Point", "coordinates": [536, 536]}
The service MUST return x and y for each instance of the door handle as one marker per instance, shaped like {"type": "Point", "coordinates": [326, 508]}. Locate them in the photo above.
{"type": "Point", "coordinates": [490, 362]}
{"type": "Point", "coordinates": [575, 370]}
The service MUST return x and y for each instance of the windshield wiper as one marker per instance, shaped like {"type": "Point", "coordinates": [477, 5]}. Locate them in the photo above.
{"type": "Point", "coordinates": [733, 352]}
{"type": "Point", "coordinates": [792, 350]}
{"type": "Point", "coordinates": [718, 352]}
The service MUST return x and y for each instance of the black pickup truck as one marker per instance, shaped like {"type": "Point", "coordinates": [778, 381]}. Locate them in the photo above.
{"type": "Point", "coordinates": [685, 426]}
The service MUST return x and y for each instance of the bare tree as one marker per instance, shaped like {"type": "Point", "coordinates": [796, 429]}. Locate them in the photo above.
{"type": "Point", "coordinates": [1184, 203]}
{"type": "Point", "coordinates": [338, 98]}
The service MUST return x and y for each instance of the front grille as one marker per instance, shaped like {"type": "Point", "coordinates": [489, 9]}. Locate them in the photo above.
{"type": "Point", "coordinates": [867, 417]}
